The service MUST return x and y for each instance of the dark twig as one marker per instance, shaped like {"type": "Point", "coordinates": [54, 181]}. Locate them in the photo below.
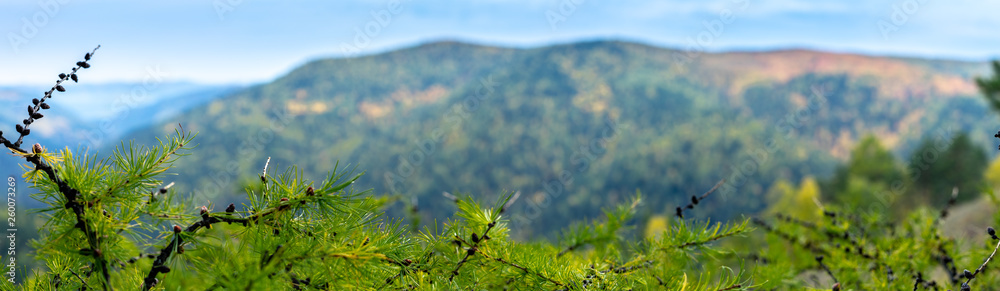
{"type": "Point", "coordinates": [819, 259]}
{"type": "Point", "coordinates": [33, 111]}
{"type": "Point", "coordinates": [951, 202]}
{"type": "Point", "coordinates": [696, 199]}
{"type": "Point", "coordinates": [85, 285]}
{"type": "Point", "coordinates": [808, 245]}
{"type": "Point", "coordinates": [970, 275]}
{"type": "Point", "coordinates": [510, 202]}
{"type": "Point", "coordinates": [263, 174]}
{"type": "Point", "coordinates": [450, 197]}
{"type": "Point", "coordinates": [917, 280]}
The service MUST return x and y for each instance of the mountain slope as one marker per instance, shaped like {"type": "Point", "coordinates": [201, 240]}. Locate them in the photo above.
{"type": "Point", "coordinates": [575, 126]}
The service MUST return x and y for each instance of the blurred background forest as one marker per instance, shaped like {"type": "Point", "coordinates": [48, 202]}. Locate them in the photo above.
{"type": "Point", "coordinates": [572, 123]}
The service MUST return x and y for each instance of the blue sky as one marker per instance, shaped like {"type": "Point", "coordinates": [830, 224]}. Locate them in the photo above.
{"type": "Point", "coordinates": [247, 41]}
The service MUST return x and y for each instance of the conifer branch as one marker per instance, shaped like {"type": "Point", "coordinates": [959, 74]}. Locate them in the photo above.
{"type": "Point", "coordinates": [162, 215]}
{"type": "Point", "coordinates": [705, 241]}
{"type": "Point", "coordinates": [34, 158]}
{"type": "Point", "coordinates": [208, 219]}
{"type": "Point", "coordinates": [710, 234]}
{"type": "Point", "coordinates": [183, 138]}
{"type": "Point", "coordinates": [473, 248]}
{"type": "Point", "coordinates": [408, 264]}
{"type": "Point", "coordinates": [524, 269]}
{"type": "Point", "coordinates": [473, 212]}
{"type": "Point", "coordinates": [808, 245]}
{"type": "Point", "coordinates": [606, 231]}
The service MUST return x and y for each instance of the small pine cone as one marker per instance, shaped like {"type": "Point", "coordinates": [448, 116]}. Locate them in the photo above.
{"type": "Point", "coordinates": [60, 88]}
{"type": "Point", "coordinates": [36, 148]}
{"type": "Point", "coordinates": [45, 105]}
{"type": "Point", "coordinates": [177, 229]}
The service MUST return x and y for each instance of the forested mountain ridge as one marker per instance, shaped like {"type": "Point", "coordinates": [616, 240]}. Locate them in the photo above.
{"type": "Point", "coordinates": [574, 126]}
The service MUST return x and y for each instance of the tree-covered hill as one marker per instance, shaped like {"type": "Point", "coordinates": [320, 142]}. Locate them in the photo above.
{"type": "Point", "coordinates": [573, 127]}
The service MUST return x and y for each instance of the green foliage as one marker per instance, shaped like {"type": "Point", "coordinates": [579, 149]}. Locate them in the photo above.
{"type": "Point", "coordinates": [871, 167]}
{"type": "Point", "coordinates": [990, 87]}
{"type": "Point", "coordinates": [992, 174]}
{"type": "Point", "coordinates": [783, 198]}
{"type": "Point", "coordinates": [863, 252]}
{"type": "Point", "coordinates": [872, 162]}
{"type": "Point", "coordinates": [937, 170]}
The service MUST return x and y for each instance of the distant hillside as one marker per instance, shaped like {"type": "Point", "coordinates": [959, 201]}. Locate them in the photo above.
{"type": "Point", "coordinates": [103, 112]}
{"type": "Point", "coordinates": [95, 115]}
{"type": "Point", "coordinates": [473, 119]}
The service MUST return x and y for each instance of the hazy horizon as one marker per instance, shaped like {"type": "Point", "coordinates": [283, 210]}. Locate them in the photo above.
{"type": "Point", "coordinates": [307, 59]}
{"type": "Point", "coordinates": [242, 42]}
